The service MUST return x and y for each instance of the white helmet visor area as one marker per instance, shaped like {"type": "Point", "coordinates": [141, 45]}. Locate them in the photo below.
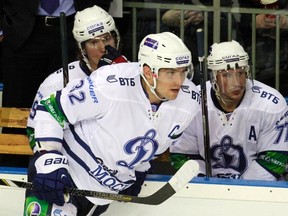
{"type": "Point", "coordinates": [230, 81]}
{"type": "Point", "coordinates": [169, 75]}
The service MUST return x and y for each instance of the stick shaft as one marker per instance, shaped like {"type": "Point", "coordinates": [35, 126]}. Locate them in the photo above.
{"type": "Point", "coordinates": [205, 119]}
{"type": "Point", "coordinates": [181, 178]}
{"type": "Point", "coordinates": [64, 48]}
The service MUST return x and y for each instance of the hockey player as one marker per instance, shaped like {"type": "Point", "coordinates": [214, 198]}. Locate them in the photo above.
{"type": "Point", "coordinates": [98, 40]}
{"type": "Point", "coordinates": [98, 132]}
{"type": "Point", "coordinates": [247, 122]}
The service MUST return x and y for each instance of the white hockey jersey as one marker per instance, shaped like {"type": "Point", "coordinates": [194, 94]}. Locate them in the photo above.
{"type": "Point", "coordinates": [237, 139]}
{"type": "Point", "coordinates": [113, 130]}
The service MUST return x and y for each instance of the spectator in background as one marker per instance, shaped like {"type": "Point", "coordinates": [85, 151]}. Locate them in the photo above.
{"type": "Point", "coordinates": [265, 41]}
{"type": "Point", "coordinates": [32, 49]}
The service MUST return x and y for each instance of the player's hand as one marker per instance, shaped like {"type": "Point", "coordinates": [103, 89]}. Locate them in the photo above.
{"type": "Point", "coordinates": [135, 189]}
{"type": "Point", "coordinates": [113, 56]}
{"type": "Point", "coordinates": [171, 18]}
{"type": "Point", "coordinates": [51, 177]}
{"type": "Point", "coordinates": [193, 17]}
{"type": "Point", "coordinates": [265, 22]}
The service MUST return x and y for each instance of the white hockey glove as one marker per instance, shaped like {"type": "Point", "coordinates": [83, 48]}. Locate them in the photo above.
{"type": "Point", "coordinates": [51, 177]}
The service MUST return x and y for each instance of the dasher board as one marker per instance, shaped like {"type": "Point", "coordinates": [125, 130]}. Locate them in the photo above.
{"type": "Point", "coordinates": [212, 197]}
{"type": "Point", "coordinates": [200, 197]}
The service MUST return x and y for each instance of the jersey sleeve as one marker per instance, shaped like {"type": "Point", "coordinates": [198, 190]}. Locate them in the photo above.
{"type": "Point", "coordinates": [30, 121]}
{"type": "Point", "coordinates": [50, 84]}
{"type": "Point", "coordinates": [272, 147]}
{"type": "Point", "coordinates": [79, 100]}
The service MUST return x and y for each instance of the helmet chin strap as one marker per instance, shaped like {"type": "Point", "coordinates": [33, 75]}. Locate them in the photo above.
{"type": "Point", "coordinates": [217, 91]}
{"type": "Point", "coordinates": [85, 59]}
{"type": "Point", "coordinates": [152, 88]}
{"type": "Point", "coordinates": [224, 101]}
{"type": "Point", "coordinates": [87, 62]}
{"type": "Point", "coordinates": [83, 53]}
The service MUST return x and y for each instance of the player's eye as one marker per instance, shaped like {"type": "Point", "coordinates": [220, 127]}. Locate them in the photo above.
{"type": "Point", "coordinates": [106, 38]}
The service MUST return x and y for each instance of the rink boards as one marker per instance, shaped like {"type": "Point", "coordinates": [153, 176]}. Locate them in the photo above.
{"type": "Point", "coordinates": [200, 197]}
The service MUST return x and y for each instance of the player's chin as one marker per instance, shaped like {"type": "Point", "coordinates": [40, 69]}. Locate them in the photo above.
{"type": "Point", "coordinates": [173, 93]}
{"type": "Point", "coordinates": [235, 96]}
{"type": "Point", "coordinates": [237, 93]}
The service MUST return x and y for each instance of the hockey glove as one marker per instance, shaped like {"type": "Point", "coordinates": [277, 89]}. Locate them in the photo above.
{"type": "Point", "coordinates": [51, 177]}
{"type": "Point", "coordinates": [135, 189]}
{"type": "Point", "coordinates": [113, 56]}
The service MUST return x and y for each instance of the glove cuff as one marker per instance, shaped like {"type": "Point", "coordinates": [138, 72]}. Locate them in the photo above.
{"type": "Point", "coordinates": [51, 161]}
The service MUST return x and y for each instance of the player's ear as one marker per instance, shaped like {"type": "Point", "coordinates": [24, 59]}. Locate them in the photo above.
{"type": "Point", "coordinates": [147, 72]}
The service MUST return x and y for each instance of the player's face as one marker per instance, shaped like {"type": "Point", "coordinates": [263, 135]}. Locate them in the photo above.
{"type": "Point", "coordinates": [95, 48]}
{"type": "Point", "coordinates": [169, 82]}
{"type": "Point", "coordinates": [231, 84]}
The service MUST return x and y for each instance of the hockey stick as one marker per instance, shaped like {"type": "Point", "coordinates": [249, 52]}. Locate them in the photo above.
{"type": "Point", "coordinates": [64, 49]}
{"type": "Point", "coordinates": [200, 46]}
{"type": "Point", "coordinates": [180, 179]}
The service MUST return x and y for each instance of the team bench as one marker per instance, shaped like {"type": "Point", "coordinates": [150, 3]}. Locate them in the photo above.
{"type": "Point", "coordinates": [11, 143]}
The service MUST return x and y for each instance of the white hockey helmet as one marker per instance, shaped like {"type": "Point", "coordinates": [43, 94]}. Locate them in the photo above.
{"type": "Point", "coordinates": [164, 50]}
{"type": "Point", "coordinates": [93, 22]}
{"type": "Point", "coordinates": [227, 55]}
